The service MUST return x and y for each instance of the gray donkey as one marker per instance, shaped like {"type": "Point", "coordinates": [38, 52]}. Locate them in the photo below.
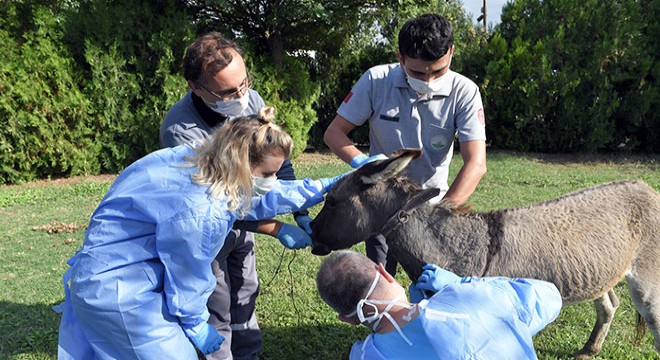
{"type": "Point", "coordinates": [584, 242]}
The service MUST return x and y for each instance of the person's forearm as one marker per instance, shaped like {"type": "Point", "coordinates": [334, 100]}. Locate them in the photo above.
{"type": "Point", "coordinates": [465, 183]}
{"type": "Point", "coordinates": [338, 141]}
{"type": "Point", "coordinates": [468, 177]}
{"type": "Point", "coordinates": [269, 227]}
{"type": "Point", "coordinates": [286, 197]}
{"type": "Point", "coordinates": [250, 226]}
{"type": "Point", "coordinates": [287, 172]}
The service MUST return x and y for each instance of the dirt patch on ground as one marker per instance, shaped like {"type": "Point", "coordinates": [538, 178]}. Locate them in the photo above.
{"type": "Point", "coordinates": [326, 156]}
{"type": "Point", "coordinates": [306, 157]}
{"type": "Point", "coordinates": [318, 157]}
{"type": "Point", "coordinates": [68, 180]}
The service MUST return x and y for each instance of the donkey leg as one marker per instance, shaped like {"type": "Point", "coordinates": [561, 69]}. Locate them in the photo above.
{"type": "Point", "coordinates": [645, 296]}
{"type": "Point", "coordinates": [606, 306]}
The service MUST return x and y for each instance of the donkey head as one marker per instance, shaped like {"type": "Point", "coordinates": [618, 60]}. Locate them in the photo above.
{"type": "Point", "coordinates": [358, 205]}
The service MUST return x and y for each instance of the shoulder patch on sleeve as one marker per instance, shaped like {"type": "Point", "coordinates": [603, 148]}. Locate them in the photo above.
{"type": "Point", "coordinates": [348, 97]}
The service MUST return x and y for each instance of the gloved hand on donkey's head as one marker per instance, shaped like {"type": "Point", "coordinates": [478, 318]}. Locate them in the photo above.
{"type": "Point", "coordinates": [328, 183]}
{"type": "Point", "coordinates": [362, 159]}
{"type": "Point", "coordinates": [357, 162]}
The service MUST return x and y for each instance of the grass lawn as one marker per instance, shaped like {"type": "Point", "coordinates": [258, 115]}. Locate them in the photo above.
{"type": "Point", "coordinates": [43, 225]}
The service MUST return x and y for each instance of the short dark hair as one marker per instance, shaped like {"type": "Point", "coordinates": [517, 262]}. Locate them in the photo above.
{"type": "Point", "coordinates": [207, 55]}
{"type": "Point", "coordinates": [344, 279]}
{"type": "Point", "coordinates": [427, 37]}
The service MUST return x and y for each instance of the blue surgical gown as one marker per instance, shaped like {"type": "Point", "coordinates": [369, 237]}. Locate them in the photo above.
{"type": "Point", "coordinates": [140, 283]}
{"type": "Point", "coordinates": [476, 318]}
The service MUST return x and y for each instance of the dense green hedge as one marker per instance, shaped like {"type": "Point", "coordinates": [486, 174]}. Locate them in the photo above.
{"type": "Point", "coordinates": [85, 84]}
{"type": "Point", "coordinates": [574, 76]}
{"type": "Point", "coordinates": [84, 88]}
{"type": "Point", "coordinates": [45, 112]}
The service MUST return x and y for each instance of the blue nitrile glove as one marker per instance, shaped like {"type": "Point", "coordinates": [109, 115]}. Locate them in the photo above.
{"type": "Point", "coordinates": [416, 294]}
{"type": "Point", "coordinates": [293, 237]}
{"type": "Point", "coordinates": [327, 183]}
{"type": "Point", "coordinates": [208, 340]}
{"type": "Point", "coordinates": [303, 223]}
{"type": "Point", "coordinates": [362, 159]}
{"type": "Point", "coordinates": [434, 278]}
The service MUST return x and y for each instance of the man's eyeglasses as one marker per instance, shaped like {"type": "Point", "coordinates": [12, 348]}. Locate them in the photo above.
{"type": "Point", "coordinates": [230, 94]}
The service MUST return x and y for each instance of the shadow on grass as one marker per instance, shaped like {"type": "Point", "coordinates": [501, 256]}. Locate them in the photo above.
{"type": "Point", "coordinates": [308, 341]}
{"type": "Point", "coordinates": [32, 330]}
{"type": "Point", "coordinates": [26, 328]}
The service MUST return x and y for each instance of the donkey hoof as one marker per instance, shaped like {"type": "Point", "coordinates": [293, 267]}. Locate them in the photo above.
{"type": "Point", "coordinates": [585, 353]}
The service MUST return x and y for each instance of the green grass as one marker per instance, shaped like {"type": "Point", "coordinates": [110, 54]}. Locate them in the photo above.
{"type": "Point", "coordinates": [296, 324]}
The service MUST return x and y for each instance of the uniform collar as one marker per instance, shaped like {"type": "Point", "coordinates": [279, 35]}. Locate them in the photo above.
{"type": "Point", "coordinates": [210, 117]}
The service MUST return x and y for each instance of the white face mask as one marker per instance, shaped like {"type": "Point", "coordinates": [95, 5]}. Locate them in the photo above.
{"type": "Point", "coordinates": [233, 107]}
{"type": "Point", "coordinates": [377, 317]}
{"type": "Point", "coordinates": [424, 87]}
{"type": "Point", "coordinates": [260, 186]}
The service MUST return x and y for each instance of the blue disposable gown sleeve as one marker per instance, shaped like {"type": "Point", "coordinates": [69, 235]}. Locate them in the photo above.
{"type": "Point", "coordinates": [186, 245]}
{"type": "Point", "coordinates": [284, 173]}
{"type": "Point", "coordinates": [286, 197]}
{"type": "Point", "coordinates": [489, 318]}
{"type": "Point", "coordinates": [537, 302]}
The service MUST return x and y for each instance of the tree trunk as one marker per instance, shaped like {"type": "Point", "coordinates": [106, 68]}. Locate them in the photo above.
{"type": "Point", "coordinates": [276, 47]}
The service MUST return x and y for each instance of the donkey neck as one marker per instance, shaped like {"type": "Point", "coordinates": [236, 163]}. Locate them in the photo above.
{"type": "Point", "coordinates": [466, 244]}
{"type": "Point", "coordinates": [404, 213]}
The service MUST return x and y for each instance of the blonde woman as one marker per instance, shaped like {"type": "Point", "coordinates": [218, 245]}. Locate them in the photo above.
{"type": "Point", "coordinates": [138, 287]}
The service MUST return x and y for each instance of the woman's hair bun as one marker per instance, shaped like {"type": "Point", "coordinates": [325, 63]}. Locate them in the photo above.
{"type": "Point", "coordinates": [266, 114]}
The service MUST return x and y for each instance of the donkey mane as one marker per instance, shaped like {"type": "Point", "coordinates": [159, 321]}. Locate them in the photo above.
{"type": "Point", "coordinates": [411, 187]}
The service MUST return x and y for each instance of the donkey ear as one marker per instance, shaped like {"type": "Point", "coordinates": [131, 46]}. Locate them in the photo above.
{"type": "Point", "coordinates": [382, 170]}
